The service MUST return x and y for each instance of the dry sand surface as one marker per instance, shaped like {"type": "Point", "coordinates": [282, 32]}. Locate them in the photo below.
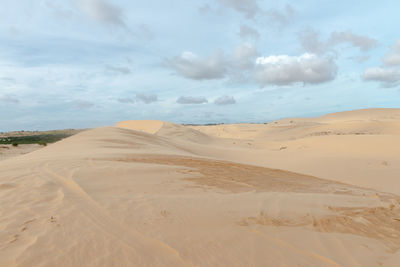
{"type": "Point", "coordinates": [9, 151]}
{"type": "Point", "coordinates": [296, 192]}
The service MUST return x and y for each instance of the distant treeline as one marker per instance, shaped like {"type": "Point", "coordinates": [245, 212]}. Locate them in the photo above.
{"type": "Point", "coordinates": [41, 139]}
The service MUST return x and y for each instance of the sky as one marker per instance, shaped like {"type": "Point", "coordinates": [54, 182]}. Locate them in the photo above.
{"type": "Point", "coordinates": [90, 63]}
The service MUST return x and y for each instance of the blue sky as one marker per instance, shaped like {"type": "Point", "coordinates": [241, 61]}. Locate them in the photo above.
{"type": "Point", "coordinates": [88, 63]}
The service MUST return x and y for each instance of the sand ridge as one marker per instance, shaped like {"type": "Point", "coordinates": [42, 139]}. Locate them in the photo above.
{"type": "Point", "coordinates": [147, 126]}
{"type": "Point", "coordinates": [166, 129]}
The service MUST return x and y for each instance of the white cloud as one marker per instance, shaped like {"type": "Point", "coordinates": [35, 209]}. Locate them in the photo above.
{"type": "Point", "coordinates": [191, 100]}
{"type": "Point", "coordinates": [247, 32]}
{"type": "Point", "coordinates": [190, 65]}
{"type": "Point", "coordinates": [393, 58]}
{"type": "Point", "coordinates": [216, 66]}
{"type": "Point", "coordinates": [364, 43]}
{"type": "Point", "coordinates": [244, 56]}
{"type": "Point", "coordinates": [311, 42]}
{"type": "Point", "coordinates": [225, 100]}
{"type": "Point", "coordinates": [388, 77]}
{"type": "Point", "coordinates": [103, 12]}
{"type": "Point", "coordinates": [244, 63]}
{"type": "Point", "coordinates": [147, 98]}
{"type": "Point", "coordinates": [241, 63]}
{"type": "Point", "coordinates": [285, 70]}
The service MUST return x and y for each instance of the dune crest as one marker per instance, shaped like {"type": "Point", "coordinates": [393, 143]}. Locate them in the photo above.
{"type": "Point", "coordinates": [147, 126]}
{"type": "Point", "coordinates": [166, 129]}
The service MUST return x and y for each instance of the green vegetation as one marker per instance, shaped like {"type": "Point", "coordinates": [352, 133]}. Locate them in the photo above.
{"type": "Point", "coordinates": [41, 139]}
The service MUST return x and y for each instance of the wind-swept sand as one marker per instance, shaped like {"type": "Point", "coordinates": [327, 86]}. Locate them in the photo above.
{"type": "Point", "coordinates": [9, 151]}
{"type": "Point", "coordinates": [296, 192]}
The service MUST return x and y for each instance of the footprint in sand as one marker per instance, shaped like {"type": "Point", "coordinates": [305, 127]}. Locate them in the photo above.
{"type": "Point", "coordinates": [15, 238]}
{"type": "Point", "coordinates": [29, 221]}
{"type": "Point", "coordinates": [53, 220]}
{"type": "Point", "coordinates": [164, 213]}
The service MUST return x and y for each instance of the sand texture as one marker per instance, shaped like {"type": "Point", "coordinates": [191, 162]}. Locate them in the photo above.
{"type": "Point", "coordinates": [296, 192]}
{"type": "Point", "coordinates": [10, 151]}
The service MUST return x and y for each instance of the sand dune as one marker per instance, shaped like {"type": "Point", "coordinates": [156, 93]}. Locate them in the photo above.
{"type": "Point", "coordinates": [147, 126]}
{"type": "Point", "coordinates": [166, 129]}
{"type": "Point", "coordinates": [295, 192]}
{"type": "Point", "coordinates": [357, 147]}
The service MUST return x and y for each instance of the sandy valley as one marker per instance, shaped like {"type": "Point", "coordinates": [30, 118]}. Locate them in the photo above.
{"type": "Point", "coordinates": [295, 192]}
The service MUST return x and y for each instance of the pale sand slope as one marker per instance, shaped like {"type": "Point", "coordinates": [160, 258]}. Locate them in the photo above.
{"type": "Point", "coordinates": [359, 147]}
{"type": "Point", "coordinates": [162, 196]}
{"type": "Point", "coordinates": [9, 151]}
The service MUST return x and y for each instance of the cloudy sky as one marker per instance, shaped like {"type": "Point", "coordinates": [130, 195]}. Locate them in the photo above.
{"type": "Point", "coordinates": [87, 63]}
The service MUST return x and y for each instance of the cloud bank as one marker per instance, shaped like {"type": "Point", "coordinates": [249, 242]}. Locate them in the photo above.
{"type": "Point", "coordinates": [393, 57]}
{"type": "Point", "coordinates": [147, 98]}
{"type": "Point", "coordinates": [243, 57]}
{"type": "Point", "coordinates": [245, 64]}
{"type": "Point", "coordinates": [225, 100]}
{"type": "Point", "coordinates": [364, 43]}
{"type": "Point", "coordinates": [191, 100]}
{"type": "Point", "coordinates": [382, 74]}
{"type": "Point", "coordinates": [190, 65]}
{"type": "Point", "coordinates": [286, 70]}
{"type": "Point", "coordinates": [389, 74]}
{"type": "Point", "coordinates": [311, 42]}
